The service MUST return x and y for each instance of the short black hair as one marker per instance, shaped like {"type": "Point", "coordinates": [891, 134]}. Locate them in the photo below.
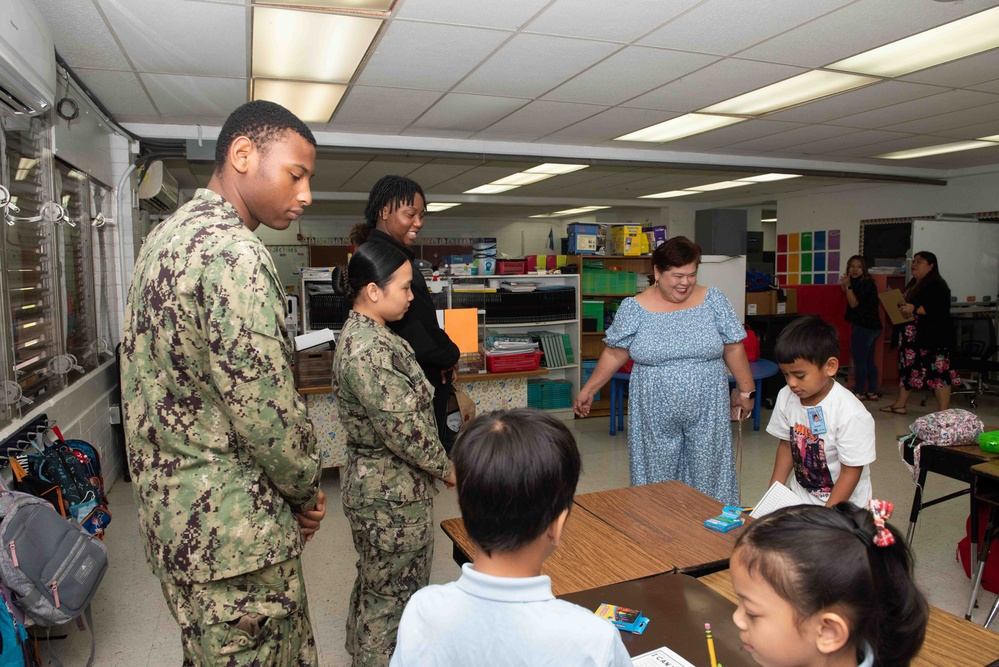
{"type": "Point", "coordinates": [517, 472]}
{"type": "Point", "coordinates": [261, 122]}
{"type": "Point", "coordinates": [808, 338]}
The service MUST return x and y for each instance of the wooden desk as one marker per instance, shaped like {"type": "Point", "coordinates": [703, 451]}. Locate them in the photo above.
{"type": "Point", "coordinates": [677, 606]}
{"type": "Point", "coordinates": [986, 489]}
{"type": "Point", "coordinates": [591, 554]}
{"type": "Point", "coordinates": [951, 641]}
{"type": "Point", "coordinates": [666, 518]}
{"type": "Point", "coordinates": [953, 462]}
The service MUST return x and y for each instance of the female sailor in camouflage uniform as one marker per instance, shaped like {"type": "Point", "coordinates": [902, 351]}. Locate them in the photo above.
{"type": "Point", "coordinates": [393, 451]}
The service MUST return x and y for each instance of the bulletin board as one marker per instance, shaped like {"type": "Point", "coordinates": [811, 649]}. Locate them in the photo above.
{"type": "Point", "coordinates": [289, 261]}
{"type": "Point", "coordinates": [809, 258]}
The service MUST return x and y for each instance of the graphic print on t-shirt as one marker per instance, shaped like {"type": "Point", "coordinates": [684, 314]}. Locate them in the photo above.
{"type": "Point", "coordinates": [809, 457]}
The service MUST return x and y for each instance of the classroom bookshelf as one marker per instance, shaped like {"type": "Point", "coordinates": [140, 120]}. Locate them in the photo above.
{"type": "Point", "coordinates": [609, 293]}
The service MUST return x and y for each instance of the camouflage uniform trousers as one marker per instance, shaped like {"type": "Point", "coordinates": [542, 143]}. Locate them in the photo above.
{"type": "Point", "coordinates": [395, 547]}
{"type": "Point", "coordinates": [258, 619]}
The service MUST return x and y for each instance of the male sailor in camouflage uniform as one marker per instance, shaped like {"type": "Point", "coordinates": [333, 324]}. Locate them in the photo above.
{"type": "Point", "coordinates": [224, 460]}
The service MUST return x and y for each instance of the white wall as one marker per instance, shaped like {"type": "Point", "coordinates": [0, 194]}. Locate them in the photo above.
{"type": "Point", "coordinates": [844, 207]}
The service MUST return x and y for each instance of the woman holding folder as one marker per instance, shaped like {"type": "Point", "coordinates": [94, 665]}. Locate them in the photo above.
{"type": "Point", "coordinates": [924, 343]}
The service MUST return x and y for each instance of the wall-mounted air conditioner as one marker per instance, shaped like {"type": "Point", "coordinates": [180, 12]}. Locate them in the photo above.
{"type": "Point", "coordinates": [158, 189]}
{"type": "Point", "coordinates": [27, 60]}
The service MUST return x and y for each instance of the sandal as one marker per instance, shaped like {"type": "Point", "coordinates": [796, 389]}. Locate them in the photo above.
{"type": "Point", "coordinates": [871, 396]}
{"type": "Point", "coordinates": [862, 397]}
{"type": "Point", "coordinates": [891, 408]}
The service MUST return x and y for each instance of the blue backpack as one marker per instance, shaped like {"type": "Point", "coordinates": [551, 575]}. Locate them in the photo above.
{"type": "Point", "coordinates": [15, 649]}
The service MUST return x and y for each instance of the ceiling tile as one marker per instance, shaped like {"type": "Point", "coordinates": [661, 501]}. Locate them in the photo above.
{"type": "Point", "coordinates": [986, 129]}
{"type": "Point", "coordinates": [433, 173]}
{"type": "Point", "coordinates": [868, 98]}
{"type": "Point", "coordinates": [81, 35]}
{"type": "Point", "coordinates": [426, 55]}
{"type": "Point", "coordinates": [725, 27]}
{"type": "Point", "coordinates": [550, 61]}
{"type": "Point", "coordinates": [607, 125]}
{"type": "Point", "coordinates": [508, 14]}
{"type": "Point", "coordinates": [795, 137]}
{"type": "Point", "coordinates": [722, 80]}
{"type": "Point", "coordinates": [123, 87]}
{"type": "Point", "coordinates": [854, 139]}
{"type": "Point", "coordinates": [333, 171]}
{"type": "Point", "coordinates": [390, 109]}
{"type": "Point", "coordinates": [950, 121]}
{"type": "Point", "coordinates": [855, 28]}
{"type": "Point", "coordinates": [469, 113]}
{"type": "Point", "coordinates": [179, 37]}
{"type": "Point", "coordinates": [915, 109]}
{"type": "Point", "coordinates": [366, 177]}
{"type": "Point", "coordinates": [989, 87]}
{"type": "Point", "coordinates": [537, 119]}
{"type": "Point", "coordinates": [961, 73]}
{"type": "Point", "coordinates": [619, 21]}
{"type": "Point", "coordinates": [180, 97]}
{"type": "Point", "coordinates": [628, 73]}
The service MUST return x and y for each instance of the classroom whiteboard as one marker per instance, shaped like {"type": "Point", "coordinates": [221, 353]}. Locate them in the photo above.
{"type": "Point", "coordinates": [967, 253]}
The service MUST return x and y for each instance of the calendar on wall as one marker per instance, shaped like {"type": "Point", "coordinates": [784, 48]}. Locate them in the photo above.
{"type": "Point", "coordinates": [809, 258]}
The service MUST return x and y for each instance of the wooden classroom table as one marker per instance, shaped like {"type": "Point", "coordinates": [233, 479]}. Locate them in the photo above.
{"type": "Point", "coordinates": [591, 554]}
{"type": "Point", "coordinates": [950, 641]}
{"type": "Point", "coordinates": [953, 462]}
{"type": "Point", "coordinates": [677, 606]}
{"type": "Point", "coordinates": [666, 518]}
{"type": "Point", "coordinates": [985, 488]}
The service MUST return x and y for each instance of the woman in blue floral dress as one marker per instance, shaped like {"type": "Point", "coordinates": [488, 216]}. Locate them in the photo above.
{"type": "Point", "coordinates": [924, 344]}
{"type": "Point", "coordinates": [682, 336]}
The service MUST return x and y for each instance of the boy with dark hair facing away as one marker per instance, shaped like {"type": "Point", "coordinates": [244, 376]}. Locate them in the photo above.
{"type": "Point", "coordinates": [516, 474]}
{"type": "Point", "coordinates": [826, 435]}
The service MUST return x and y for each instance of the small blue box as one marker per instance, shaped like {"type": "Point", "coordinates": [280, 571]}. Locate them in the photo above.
{"type": "Point", "coordinates": [582, 238]}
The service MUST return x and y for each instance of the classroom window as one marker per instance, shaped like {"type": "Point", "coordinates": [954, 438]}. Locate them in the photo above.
{"type": "Point", "coordinates": [49, 314]}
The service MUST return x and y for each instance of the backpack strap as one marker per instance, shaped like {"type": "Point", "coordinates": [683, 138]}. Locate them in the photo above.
{"type": "Point", "coordinates": [93, 641]}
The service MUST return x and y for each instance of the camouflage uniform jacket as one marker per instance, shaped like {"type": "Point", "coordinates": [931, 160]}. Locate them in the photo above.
{"type": "Point", "coordinates": [219, 445]}
{"type": "Point", "coordinates": [386, 408]}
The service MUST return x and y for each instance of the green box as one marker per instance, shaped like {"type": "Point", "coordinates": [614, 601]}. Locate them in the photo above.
{"type": "Point", "coordinates": [989, 442]}
{"type": "Point", "coordinates": [595, 309]}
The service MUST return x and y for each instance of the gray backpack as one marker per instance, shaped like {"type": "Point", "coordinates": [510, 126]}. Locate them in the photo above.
{"type": "Point", "coordinates": [52, 565]}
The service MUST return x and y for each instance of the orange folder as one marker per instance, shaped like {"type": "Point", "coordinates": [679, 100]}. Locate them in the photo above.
{"type": "Point", "coordinates": [462, 327]}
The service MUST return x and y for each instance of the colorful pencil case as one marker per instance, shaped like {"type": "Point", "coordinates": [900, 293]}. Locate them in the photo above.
{"type": "Point", "coordinates": [629, 620]}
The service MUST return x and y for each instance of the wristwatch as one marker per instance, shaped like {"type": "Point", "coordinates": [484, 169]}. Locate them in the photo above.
{"type": "Point", "coordinates": [748, 394]}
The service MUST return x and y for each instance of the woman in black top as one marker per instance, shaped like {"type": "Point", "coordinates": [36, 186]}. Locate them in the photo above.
{"type": "Point", "coordinates": [394, 215]}
{"type": "Point", "coordinates": [924, 344]}
{"type": "Point", "coordinates": [862, 314]}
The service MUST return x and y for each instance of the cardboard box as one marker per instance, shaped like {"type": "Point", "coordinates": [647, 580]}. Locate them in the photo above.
{"type": "Point", "coordinates": [582, 238]}
{"type": "Point", "coordinates": [623, 240]}
{"type": "Point", "coordinates": [891, 300]}
{"type": "Point", "coordinates": [656, 236]}
{"type": "Point", "coordinates": [761, 303]}
{"type": "Point", "coordinates": [790, 304]}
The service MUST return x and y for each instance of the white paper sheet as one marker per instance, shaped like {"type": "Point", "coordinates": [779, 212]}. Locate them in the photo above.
{"type": "Point", "coordinates": [661, 657]}
{"type": "Point", "coordinates": [777, 496]}
{"type": "Point", "coordinates": [313, 338]}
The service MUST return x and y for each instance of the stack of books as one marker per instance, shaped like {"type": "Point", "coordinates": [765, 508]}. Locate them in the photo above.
{"type": "Point", "coordinates": [556, 346]}
{"type": "Point", "coordinates": [518, 286]}
{"type": "Point", "coordinates": [505, 344]}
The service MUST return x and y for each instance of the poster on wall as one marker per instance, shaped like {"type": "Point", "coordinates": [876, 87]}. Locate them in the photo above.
{"type": "Point", "coordinates": [809, 258]}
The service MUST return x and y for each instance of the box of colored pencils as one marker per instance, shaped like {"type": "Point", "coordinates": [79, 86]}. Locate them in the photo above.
{"type": "Point", "coordinates": [629, 620]}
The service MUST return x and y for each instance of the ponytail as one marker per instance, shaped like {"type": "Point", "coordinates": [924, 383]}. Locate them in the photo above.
{"type": "Point", "coordinates": [371, 263]}
{"type": "Point", "coordinates": [817, 558]}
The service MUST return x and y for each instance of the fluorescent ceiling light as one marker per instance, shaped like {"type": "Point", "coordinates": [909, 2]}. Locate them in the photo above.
{"type": "Point", "coordinates": [790, 92]}
{"type": "Point", "coordinates": [309, 46]}
{"type": "Point", "coordinates": [668, 195]}
{"type": "Point", "coordinates": [489, 189]}
{"type": "Point", "coordinates": [957, 39]}
{"type": "Point", "coordinates": [764, 178]}
{"type": "Point", "coordinates": [312, 102]}
{"type": "Point", "coordinates": [994, 137]}
{"type": "Point", "coordinates": [441, 206]}
{"type": "Point", "coordinates": [555, 168]}
{"type": "Point", "coordinates": [570, 211]}
{"type": "Point", "coordinates": [677, 128]}
{"type": "Point", "coordinates": [939, 149]}
{"type": "Point", "coordinates": [355, 5]}
{"type": "Point", "coordinates": [768, 219]}
{"type": "Point", "coordinates": [521, 178]}
{"type": "Point", "coordinates": [720, 185]}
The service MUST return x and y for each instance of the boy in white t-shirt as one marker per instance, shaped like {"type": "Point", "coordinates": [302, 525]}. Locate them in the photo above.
{"type": "Point", "coordinates": [826, 435]}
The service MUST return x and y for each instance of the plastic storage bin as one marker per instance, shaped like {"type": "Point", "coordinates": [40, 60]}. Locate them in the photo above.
{"type": "Point", "coordinates": [509, 363]}
{"type": "Point", "coordinates": [586, 371]}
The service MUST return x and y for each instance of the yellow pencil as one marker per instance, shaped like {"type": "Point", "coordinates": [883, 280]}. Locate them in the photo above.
{"type": "Point", "coordinates": [711, 644]}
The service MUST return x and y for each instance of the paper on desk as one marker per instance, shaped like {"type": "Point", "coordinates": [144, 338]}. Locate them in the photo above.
{"type": "Point", "coordinates": [777, 496]}
{"type": "Point", "coordinates": [661, 657]}
{"type": "Point", "coordinates": [313, 338]}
